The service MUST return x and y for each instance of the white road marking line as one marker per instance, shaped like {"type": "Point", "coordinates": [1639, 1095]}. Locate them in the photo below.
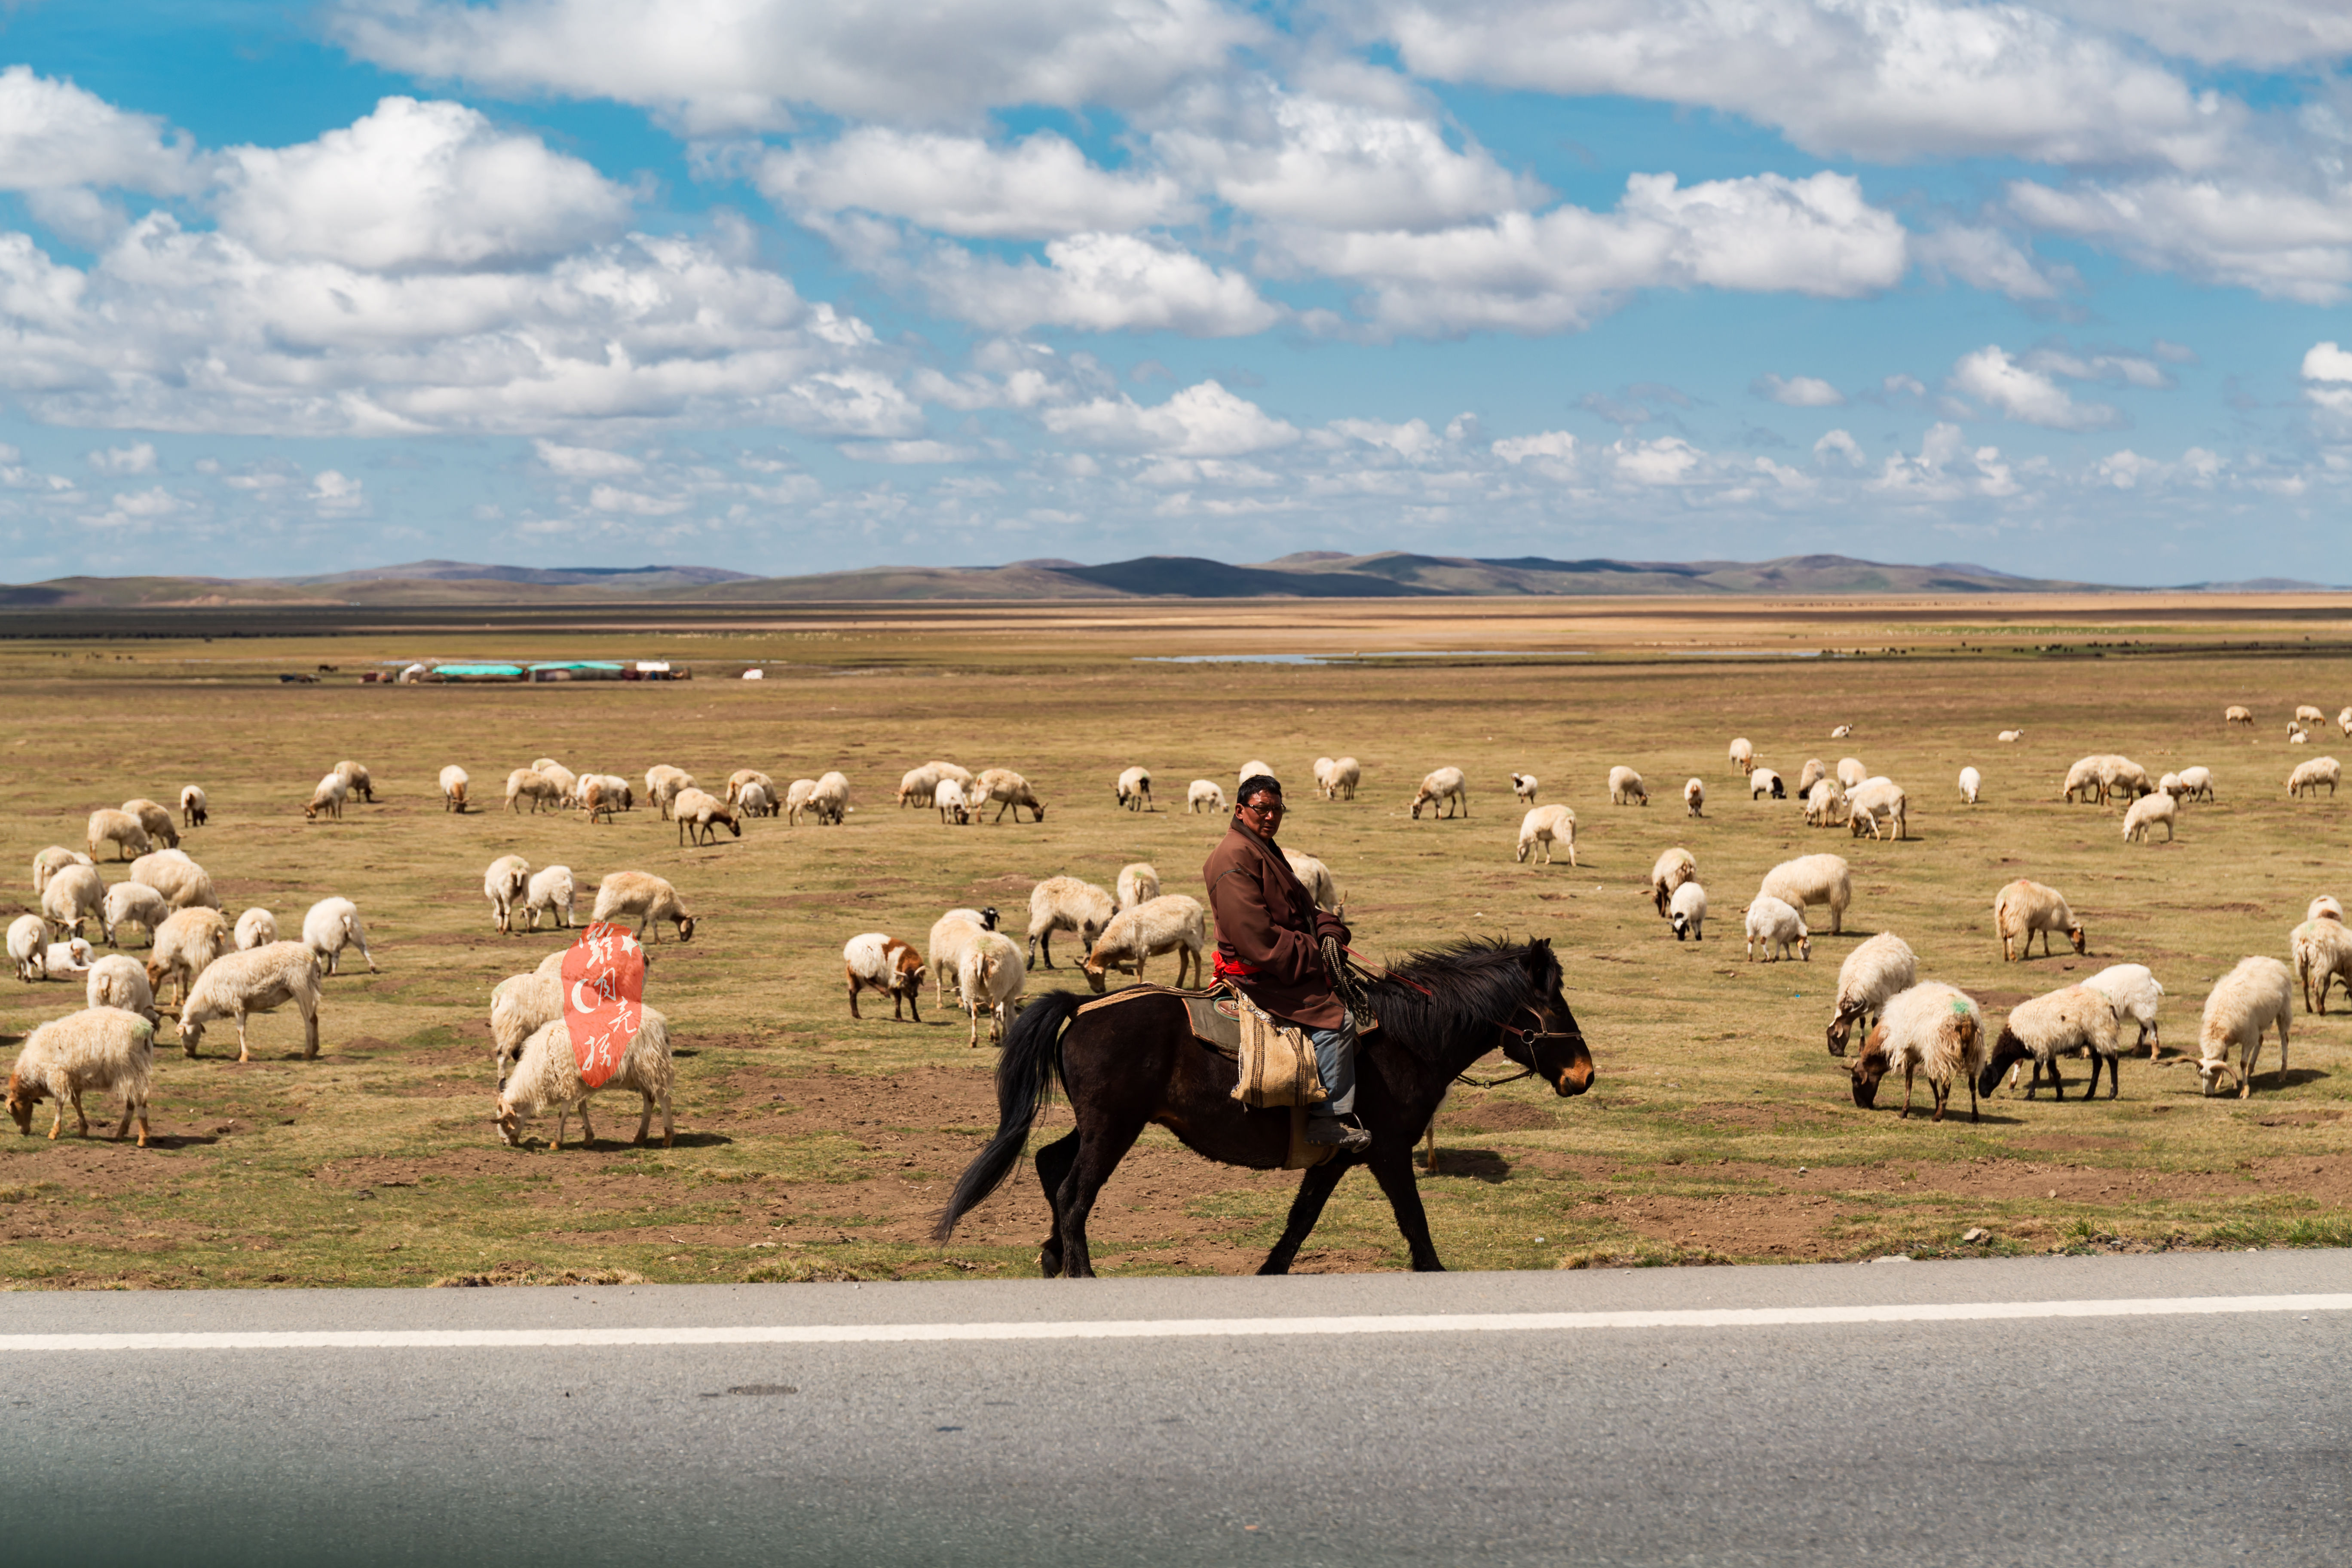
{"type": "Point", "coordinates": [1175, 1327]}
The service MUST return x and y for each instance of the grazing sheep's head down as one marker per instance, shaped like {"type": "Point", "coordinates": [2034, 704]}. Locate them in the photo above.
{"type": "Point", "coordinates": [1868, 1068]}
{"type": "Point", "coordinates": [686, 928]}
{"type": "Point", "coordinates": [988, 917]}
{"type": "Point", "coordinates": [2075, 935]}
{"type": "Point", "coordinates": [1842, 1029]}
{"type": "Point", "coordinates": [1681, 920]}
{"type": "Point", "coordinates": [22, 1097]}
{"type": "Point", "coordinates": [509, 1124]}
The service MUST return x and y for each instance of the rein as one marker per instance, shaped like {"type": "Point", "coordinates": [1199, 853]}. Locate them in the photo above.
{"type": "Point", "coordinates": [1527, 1037]}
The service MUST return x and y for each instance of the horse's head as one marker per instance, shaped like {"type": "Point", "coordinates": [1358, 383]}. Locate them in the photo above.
{"type": "Point", "coordinates": [1554, 1047]}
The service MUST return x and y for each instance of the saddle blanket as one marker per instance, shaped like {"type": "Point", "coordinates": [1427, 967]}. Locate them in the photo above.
{"type": "Point", "coordinates": [1275, 1060]}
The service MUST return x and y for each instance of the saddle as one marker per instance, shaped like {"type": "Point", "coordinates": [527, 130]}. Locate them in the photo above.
{"type": "Point", "coordinates": [1275, 1061]}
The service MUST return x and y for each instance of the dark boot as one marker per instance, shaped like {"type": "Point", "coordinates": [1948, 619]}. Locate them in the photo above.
{"type": "Point", "coordinates": [1348, 1138]}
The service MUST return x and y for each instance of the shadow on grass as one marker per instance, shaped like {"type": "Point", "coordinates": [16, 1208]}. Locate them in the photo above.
{"type": "Point", "coordinates": [1478, 1165]}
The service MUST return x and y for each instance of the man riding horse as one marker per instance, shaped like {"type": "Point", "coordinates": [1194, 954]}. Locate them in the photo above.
{"type": "Point", "coordinates": [1270, 945]}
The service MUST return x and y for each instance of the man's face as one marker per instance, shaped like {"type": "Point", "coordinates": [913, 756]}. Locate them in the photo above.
{"type": "Point", "coordinates": [1262, 813]}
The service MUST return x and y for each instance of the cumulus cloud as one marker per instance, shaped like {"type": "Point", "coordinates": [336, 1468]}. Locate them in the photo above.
{"type": "Point", "coordinates": [1992, 376]}
{"type": "Point", "coordinates": [1987, 258]}
{"type": "Point", "coordinates": [1798, 391]}
{"type": "Point", "coordinates": [918, 451]}
{"type": "Point", "coordinates": [1203, 421]}
{"type": "Point", "coordinates": [139, 457]}
{"type": "Point", "coordinates": [1931, 475]}
{"type": "Point", "coordinates": [2327, 377]}
{"type": "Point", "coordinates": [1843, 442]}
{"type": "Point", "coordinates": [333, 491]}
{"type": "Point", "coordinates": [585, 462]}
{"type": "Point", "coordinates": [2127, 470]}
{"type": "Point", "coordinates": [1544, 446]}
{"type": "Point", "coordinates": [55, 136]}
{"type": "Point", "coordinates": [2269, 34]}
{"type": "Point", "coordinates": [635, 503]}
{"type": "Point", "coordinates": [1413, 440]}
{"type": "Point", "coordinates": [2250, 233]}
{"type": "Point", "coordinates": [1668, 461]}
{"type": "Point", "coordinates": [1038, 187]}
{"type": "Point", "coordinates": [1102, 283]}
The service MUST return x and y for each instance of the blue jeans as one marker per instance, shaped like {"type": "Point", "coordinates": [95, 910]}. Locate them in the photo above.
{"type": "Point", "coordinates": [1335, 1059]}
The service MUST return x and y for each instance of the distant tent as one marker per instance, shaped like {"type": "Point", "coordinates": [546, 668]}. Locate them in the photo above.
{"type": "Point", "coordinates": [477, 671]}
{"type": "Point", "coordinates": [576, 669]}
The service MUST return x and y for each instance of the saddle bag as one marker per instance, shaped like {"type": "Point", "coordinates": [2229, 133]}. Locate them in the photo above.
{"type": "Point", "coordinates": [1277, 1062]}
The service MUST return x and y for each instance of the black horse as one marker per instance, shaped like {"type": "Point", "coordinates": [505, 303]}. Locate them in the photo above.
{"type": "Point", "coordinates": [1138, 1063]}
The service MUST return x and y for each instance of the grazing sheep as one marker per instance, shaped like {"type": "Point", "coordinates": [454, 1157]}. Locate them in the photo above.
{"type": "Point", "coordinates": [916, 786]}
{"type": "Point", "coordinates": [1761, 782]}
{"type": "Point", "coordinates": [566, 781]}
{"type": "Point", "coordinates": [877, 961]}
{"type": "Point", "coordinates": [1931, 1027]}
{"type": "Point", "coordinates": [1442, 784]}
{"type": "Point", "coordinates": [356, 780]}
{"type": "Point", "coordinates": [2308, 776]}
{"type": "Point", "coordinates": [744, 778]}
{"type": "Point", "coordinates": [699, 813]}
{"type": "Point", "coordinates": [597, 801]}
{"type": "Point", "coordinates": [530, 785]}
{"type": "Point", "coordinates": [645, 896]}
{"type": "Point", "coordinates": [71, 957]}
{"type": "Point", "coordinates": [2257, 994]}
{"type": "Point", "coordinates": [1971, 785]}
{"type": "Point", "coordinates": [454, 784]}
{"type": "Point", "coordinates": [1205, 795]}
{"type": "Point", "coordinates": [184, 883]}
{"type": "Point", "coordinates": [799, 794]}
{"type": "Point", "coordinates": [662, 783]}
{"type": "Point", "coordinates": [1872, 975]}
{"type": "Point", "coordinates": [331, 926]}
{"type": "Point", "coordinates": [1812, 879]}
{"type": "Point", "coordinates": [1850, 773]}
{"type": "Point", "coordinates": [2309, 714]}
{"type": "Point", "coordinates": [546, 1076]}
{"type": "Point", "coordinates": [120, 828]}
{"type": "Point", "coordinates": [1341, 783]}
{"type": "Point", "coordinates": [2322, 950]}
{"type": "Point", "coordinates": [990, 974]}
{"type": "Point", "coordinates": [1812, 772]}
{"type": "Point", "coordinates": [1687, 912]}
{"type": "Point", "coordinates": [2121, 775]}
{"type": "Point", "coordinates": [1778, 928]}
{"type": "Point", "coordinates": [2344, 720]}
{"type": "Point", "coordinates": [118, 980]}
{"type": "Point", "coordinates": [2024, 908]}
{"type": "Point", "coordinates": [954, 809]}
{"type": "Point", "coordinates": [329, 796]}
{"type": "Point", "coordinates": [1547, 826]}
{"type": "Point", "coordinates": [503, 884]}
{"type": "Point", "coordinates": [2145, 813]}
{"type": "Point", "coordinates": [1625, 787]}
{"type": "Point", "coordinates": [48, 862]}
{"type": "Point", "coordinates": [97, 1049]}
{"type": "Point", "coordinates": [255, 927]}
{"type": "Point", "coordinates": [2196, 784]}
{"type": "Point", "coordinates": [1743, 755]}
{"type": "Point", "coordinates": [2325, 906]}
{"type": "Point", "coordinates": [619, 794]}
{"type": "Point", "coordinates": [1695, 796]}
{"type": "Point", "coordinates": [1673, 868]}
{"type": "Point", "coordinates": [758, 799]}
{"type": "Point", "coordinates": [1524, 786]}
{"type": "Point", "coordinates": [1825, 806]}
{"type": "Point", "coordinates": [550, 890]}
{"type": "Point", "coordinates": [154, 819]}
{"type": "Point", "coordinates": [193, 806]}
{"type": "Point", "coordinates": [829, 801]}
{"type": "Point", "coordinates": [29, 944]}
{"type": "Point", "coordinates": [1133, 789]}
{"type": "Point", "coordinates": [2083, 779]}
{"type": "Point", "coordinates": [1173, 923]}
{"type": "Point", "coordinates": [2234, 714]}
{"type": "Point", "coordinates": [1841, 732]}
{"type": "Point", "coordinates": [186, 943]}
{"type": "Point", "coordinates": [262, 980]}
{"type": "Point", "coordinates": [950, 934]}
{"type": "Point", "coordinates": [2074, 1018]}
{"type": "Point", "coordinates": [74, 896]}
{"type": "Point", "coordinates": [1005, 786]}
{"type": "Point", "coordinates": [1317, 879]}
{"type": "Point", "coordinates": [2009, 737]}
{"type": "Point", "coordinates": [2296, 735]}
{"type": "Point", "coordinates": [1065, 903]}
{"type": "Point", "coordinates": [1875, 802]}
{"type": "Point", "coordinates": [1252, 768]}
{"type": "Point", "coordinates": [1139, 883]}
{"type": "Point", "coordinates": [131, 903]}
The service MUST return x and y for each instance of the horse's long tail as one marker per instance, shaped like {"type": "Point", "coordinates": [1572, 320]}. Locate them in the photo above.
{"type": "Point", "coordinates": [1024, 1082]}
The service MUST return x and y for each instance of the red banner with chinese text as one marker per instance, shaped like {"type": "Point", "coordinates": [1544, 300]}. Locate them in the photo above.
{"type": "Point", "coordinates": [604, 998]}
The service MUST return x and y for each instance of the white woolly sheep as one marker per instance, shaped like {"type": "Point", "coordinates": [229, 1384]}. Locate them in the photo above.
{"type": "Point", "coordinates": [2326, 907]}
{"type": "Point", "coordinates": [916, 786]}
{"type": "Point", "coordinates": [597, 800]}
{"type": "Point", "coordinates": [1875, 804]}
{"type": "Point", "coordinates": [1743, 755]}
{"type": "Point", "coordinates": [1317, 879]}
{"type": "Point", "coordinates": [2308, 776]}
{"type": "Point", "coordinates": [1841, 732]}
{"type": "Point", "coordinates": [2322, 951]}
{"type": "Point", "coordinates": [550, 890]}
{"type": "Point", "coordinates": [1687, 912]}
{"type": "Point", "coordinates": [328, 798]}
{"type": "Point", "coordinates": [1695, 796]}
{"type": "Point", "coordinates": [2296, 735]}
{"type": "Point", "coordinates": [183, 884]}
{"type": "Point", "coordinates": [949, 797]}
{"type": "Point", "coordinates": [132, 903]}
{"type": "Point", "coordinates": [120, 980]}
{"type": "Point", "coordinates": [1548, 826]}
{"type": "Point", "coordinates": [120, 828]}
{"type": "Point", "coordinates": [1764, 782]}
{"type": "Point", "coordinates": [2121, 775]}
{"type": "Point", "coordinates": [255, 927]}
{"type": "Point", "coordinates": [546, 1076]}
{"type": "Point", "coordinates": [262, 980]}
{"type": "Point", "coordinates": [1812, 772]}
{"type": "Point", "coordinates": [2145, 813]}
{"type": "Point", "coordinates": [64, 960]}
{"type": "Point", "coordinates": [877, 961]}
{"type": "Point", "coordinates": [2258, 994]}
{"type": "Point", "coordinates": [356, 780]}
{"type": "Point", "coordinates": [193, 806]}
{"type": "Point", "coordinates": [1065, 903]}
{"type": "Point", "coordinates": [186, 943]}
{"type": "Point", "coordinates": [1872, 975]}
{"type": "Point", "coordinates": [1933, 1028]}
{"type": "Point", "coordinates": [645, 896]}
{"type": "Point", "coordinates": [989, 976]}
{"type": "Point", "coordinates": [454, 784]}
{"type": "Point", "coordinates": [662, 783]}
{"type": "Point", "coordinates": [156, 820]}
{"type": "Point", "coordinates": [758, 799]}
{"type": "Point", "coordinates": [1205, 795]}
{"type": "Point", "coordinates": [2344, 720]}
{"type": "Point", "coordinates": [2083, 779]}
{"type": "Point", "coordinates": [1812, 879]}
{"type": "Point", "coordinates": [2309, 714]}
{"type": "Point", "coordinates": [530, 785]}
{"type": "Point", "coordinates": [29, 944]}
{"type": "Point", "coordinates": [48, 861]}
{"type": "Point", "coordinates": [504, 885]}
{"type": "Point", "coordinates": [1173, 923]}
{"type": "Point", "coordinates": [1850, 773]}
{"type": "Point", "coordinates": [2196, 784]}
{"type": "Point", "coordinates": [2009, 737]}
{"type": "Point", "coordinates": [1971, 785]}
{"type": "Point", "coordinates": [950, 934]}
{"type": "Point", "coordinates": [2138, 995]}
{"type": "Point", "coordinates": [1133, 789]}
{"type": "Point", "coordinates": [742, 779]}
{"type": "Point", "coordinates": [2073, 1018]}
{"type": "Point", "coordinates": [97, 1049]}
{"type": "Point", "coordinates": [2234, 714]}
{"type": "Point", "coordinates": [1444, 785]}
{"type": "Point", "coordinates": [331, 926]}
{"type": "Point", "coordinates": [1673, 868]}
{"type": "Point", "coordinates": [74, 896]}
{"type": "Point", "coordinates": [1253, 768]}
{"type": "Point", "coordinates": [1524, 786]}
{"type": "Point", "coordinates": [2021, 908]}
{"type": "Point", "coordinates": [1779, 927]}
{"type": "Point", "coordinates": [1340, 784]}
{"type": "Point", "coordinates": [1007, 787]}
{"type": "Point", "coordinates": [799, 794]}
{"type": "Point", "coordinates": [1825, 804]}
{"type": "Point", "coordinates": [1625, 787]}
{"type": "Point", "coordinates": [698, 814]}
{"type": "Point", "coordinates": [829, 801]}
{"type": "Point", "coordinates": [566, 781]}
{"type": "Point", "coordinates": [619, 793]}
{"type": "Point", "coordinates": [1139, 883]}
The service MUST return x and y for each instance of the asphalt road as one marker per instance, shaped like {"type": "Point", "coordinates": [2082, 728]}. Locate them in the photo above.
{"type": "Point", "coordinates": [2176, 1437]}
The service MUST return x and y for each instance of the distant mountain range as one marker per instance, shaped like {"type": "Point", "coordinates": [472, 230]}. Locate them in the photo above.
{"type": "Point", "coordinates": [1310, 575]}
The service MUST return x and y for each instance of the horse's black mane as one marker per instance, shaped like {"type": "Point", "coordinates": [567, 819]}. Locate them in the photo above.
{"type": "Point", "coordinates": [1433, 1001]}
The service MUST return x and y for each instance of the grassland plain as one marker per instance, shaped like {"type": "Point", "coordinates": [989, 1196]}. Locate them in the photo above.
{"type": "Point", "coordinates": [811, 1146]}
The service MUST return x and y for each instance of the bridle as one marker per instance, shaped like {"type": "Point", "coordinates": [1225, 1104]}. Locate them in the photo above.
{"type": "Point", "coordinates": [1532, 1039]}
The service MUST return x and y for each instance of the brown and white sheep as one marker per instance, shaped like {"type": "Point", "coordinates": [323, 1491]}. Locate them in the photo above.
{"type": "Point", "coordinates": [877, 961]}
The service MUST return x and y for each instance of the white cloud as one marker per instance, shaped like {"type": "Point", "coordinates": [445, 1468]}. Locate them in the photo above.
{"type": "Point", "coordinates": [139, 457]}
{"type": "Point", "coordinates": [55, 136]}
{"type": "Point", "coordinates": [1798, 391]}
{"type": "Point", "coordinates": [734, 64]}
{"type": "Point", "coordinates": [1991, 376]}
{"type": "Point", "coordinates": [1544, 446]}
{"type": "Point", "coordinates": [2127, 470]}
{"type": "Point", "coordinates": [2247, 232]}
{"type": "Point", "coordinates": [1414, 441]}
{"type": "Point", "coordinates": [2262, 33]}
{"type": "Point", "coordinates": [418, 184]}
{"type": "Point", "coordinates": [1668, 461]}
{"type": "Point", "coordinates": [1929, 477]}
{"type": "Point", "coordinates": [2326, 370]}
{"type": "Point", "coordinates": [1102, 283]}
{"type": "Point", "coordinates": [1987, 258]}
{"type": "Point", "coordinates": [1843, 444]}
{"type": "Point", "coordinates": [2119, 369]}
{"type": "Point", "coordinates": [1201, 421]}
{"type": "Point", "coordinates": [635, 503]}
{"type": "Point", "coordinates": [585, 462]}
{"type": "Point", "coordinates": [336, 492]}
{"type": "Point", "coordinates": [923, 451]}
{"type": "Point", "coordinates": [1038, 187]}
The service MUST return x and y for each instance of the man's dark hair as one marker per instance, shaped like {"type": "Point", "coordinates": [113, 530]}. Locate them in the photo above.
{"type": "Point", "coordinates": [1258, 783]}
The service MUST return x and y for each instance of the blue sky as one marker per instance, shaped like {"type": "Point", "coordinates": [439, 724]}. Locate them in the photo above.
{"type": "Point", "coordinates": [2055, 288]}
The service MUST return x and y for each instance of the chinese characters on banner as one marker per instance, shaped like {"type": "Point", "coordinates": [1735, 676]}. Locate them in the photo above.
{"type": "Point", "coordinates": [604, 998]}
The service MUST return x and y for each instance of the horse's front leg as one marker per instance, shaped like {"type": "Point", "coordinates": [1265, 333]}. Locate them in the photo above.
{"type": "Point", "coordinates": [1314, 1192]}
{"type": "Point", "coordinates": [1054, 1162]}
{"type": "Point", "coordinates": [1393, 1168]}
